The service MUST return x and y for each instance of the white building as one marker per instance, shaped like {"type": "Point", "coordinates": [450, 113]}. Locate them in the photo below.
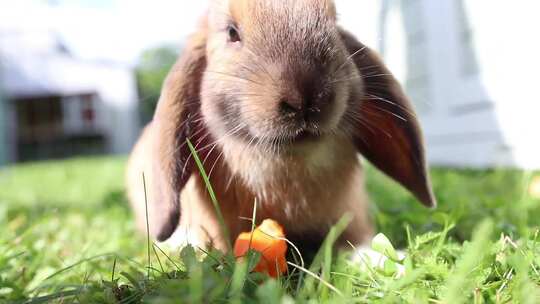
{"type": "Point", "coordinates": [470, 67]}
{"type": "Point", "coordinates": [56, 105]}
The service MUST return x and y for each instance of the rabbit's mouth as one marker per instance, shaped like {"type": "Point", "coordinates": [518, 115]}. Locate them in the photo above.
{"type": "Point", "coordinates": [287, 135]}
{"type": "Point", "coordinates": [292, 139]}
{"type": "Point", "coordinates": [304, 135]}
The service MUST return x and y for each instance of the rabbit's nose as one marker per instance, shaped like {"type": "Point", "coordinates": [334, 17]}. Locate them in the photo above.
{"type": "Point", "coordinates": [292, 101]}
{"type": "Point", "coordinates": [291, 105]}
{"type": "Point", "coordinates": [310, 107]}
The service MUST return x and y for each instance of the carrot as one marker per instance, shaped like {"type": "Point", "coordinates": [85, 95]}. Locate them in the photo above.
{"type": "Point", "coordinates": [268, 240]}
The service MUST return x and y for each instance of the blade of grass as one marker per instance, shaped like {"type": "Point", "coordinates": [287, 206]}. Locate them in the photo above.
{"type": "Point", "coordinates": [57, 296]}
{"type": "Point", "coordinates": [168, 257]}
{"type": "Point", "coordinates": [158, 259]}
{"type": "Point", "coordinates": [322, 260]}
{"type": "Point", "coordinates": [133, 281]}
{"type": "Point", "coordinates": [238, 281]}
{"type": "Point", "coordinates": [97, 257]}
{"type": "Point", "coordinates": [147, 225]}
{"type": "Point", "coordinates": [113, 269]}
{"type": "Point", "coordinates": [316, 277]}
{"type": "Point", "coordinates": [211, 192]}
{"type": "Point", "coordinates": [253, 226]}
{"type": "Point", "coordinates": [253, 223]}
{"type": "Point", "coordinates": [459, 285]}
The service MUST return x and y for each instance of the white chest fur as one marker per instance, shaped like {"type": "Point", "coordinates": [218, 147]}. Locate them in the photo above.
{"type": "Point", "coordinates": [314, 184]}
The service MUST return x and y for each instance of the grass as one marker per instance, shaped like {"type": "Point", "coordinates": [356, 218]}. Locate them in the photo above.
{"type": "Point", "coordinates": [67, 236]}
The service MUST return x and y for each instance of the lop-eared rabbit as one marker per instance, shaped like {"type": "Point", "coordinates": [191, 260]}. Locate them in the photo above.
{"type": "Point", "coordinates": [279, 103]}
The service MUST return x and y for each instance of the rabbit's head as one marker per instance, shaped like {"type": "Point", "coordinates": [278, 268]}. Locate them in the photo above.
{"type": "Point", "coordinates": [278, 72]}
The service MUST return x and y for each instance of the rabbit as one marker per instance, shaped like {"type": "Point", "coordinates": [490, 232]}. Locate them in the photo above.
{"type": "Point", "coordinates": [279, 102]}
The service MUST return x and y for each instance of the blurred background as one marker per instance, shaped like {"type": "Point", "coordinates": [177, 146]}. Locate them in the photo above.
{"type": "Point", "coordinates": [80, 77]}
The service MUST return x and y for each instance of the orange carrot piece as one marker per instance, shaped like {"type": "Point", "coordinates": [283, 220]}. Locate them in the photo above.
{"type": "Point", "coordinates": [268, 240]}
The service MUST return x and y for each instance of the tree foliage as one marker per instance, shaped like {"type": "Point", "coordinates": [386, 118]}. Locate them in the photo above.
{"type": "Point", "coordinates": [153, 67]}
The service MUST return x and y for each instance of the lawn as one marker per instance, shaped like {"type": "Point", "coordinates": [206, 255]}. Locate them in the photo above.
{"type": "Point", "coordinates": [67, 236]}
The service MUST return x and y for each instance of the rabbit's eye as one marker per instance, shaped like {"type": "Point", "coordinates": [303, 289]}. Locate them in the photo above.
{"type": "Point", "coordinates": [234, 36]}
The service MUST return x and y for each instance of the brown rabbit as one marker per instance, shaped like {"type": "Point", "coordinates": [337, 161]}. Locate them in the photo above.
{"type": "Point", "coordinates": [278, 101]}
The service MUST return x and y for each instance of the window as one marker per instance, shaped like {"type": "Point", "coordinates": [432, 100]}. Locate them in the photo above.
{"type": "Point", "coordinates": [39, 118]}
{"type": "Point", "coordinates": [81, 113]}
{"type": "Point", "coordinates": [88, 114]}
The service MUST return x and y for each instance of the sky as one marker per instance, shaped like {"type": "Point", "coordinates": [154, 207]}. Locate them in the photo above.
{"type": "Point", "coordinates": [121, 29]}
{"type": "Point", "coordinates": [110, 29]}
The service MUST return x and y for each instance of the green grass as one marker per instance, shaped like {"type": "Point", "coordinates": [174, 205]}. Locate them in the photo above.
{"type": "Point", "coordinates": [67, 236]}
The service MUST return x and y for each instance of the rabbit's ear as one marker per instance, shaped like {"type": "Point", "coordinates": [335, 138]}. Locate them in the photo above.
{"type": "Point", "coordinates": [176, 120]}
{"type": "Point", "coordinates": [387, 131]}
